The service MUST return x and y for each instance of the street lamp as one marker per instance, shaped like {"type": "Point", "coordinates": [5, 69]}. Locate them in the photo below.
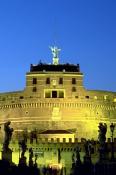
{"type": "Point", "coordinates": [112, 126]}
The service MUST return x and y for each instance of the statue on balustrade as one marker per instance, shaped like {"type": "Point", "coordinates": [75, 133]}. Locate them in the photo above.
{"type": "Point", "coordinates": [102, 139]}
{"type": "Point", "coordinates": [8, 135]}
{"type": "Point", "coordinates": [7, 152]}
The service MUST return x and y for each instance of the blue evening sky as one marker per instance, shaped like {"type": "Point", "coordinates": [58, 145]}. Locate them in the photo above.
{"type": "Point", "coordinates": [85, 30]}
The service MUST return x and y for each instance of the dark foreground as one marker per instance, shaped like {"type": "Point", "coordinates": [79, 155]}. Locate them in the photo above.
{"type": "Point", "coordinates": [101, 168]}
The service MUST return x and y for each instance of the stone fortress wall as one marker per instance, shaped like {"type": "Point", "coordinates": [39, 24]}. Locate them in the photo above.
{"type": "Point", "coordinates": [81, 114]}
{"type": "Point", "coordinates": [55, 98]}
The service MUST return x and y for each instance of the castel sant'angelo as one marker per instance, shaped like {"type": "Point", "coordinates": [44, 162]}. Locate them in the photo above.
{"type": "Point", "coordinates": [55, 99]}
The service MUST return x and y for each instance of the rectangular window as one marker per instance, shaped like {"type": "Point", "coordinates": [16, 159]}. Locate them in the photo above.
{"type": "Point", "coordinates": [48, 94]}
{"type": "Point", "coordinates": [76, 139]}
{"type": "Point", "coordinates": [52, 139]}
{"type": "Point", "coordinates": [34, 80]}
{"type": "Point", "coordinates": [34, 89]}
{"type": "Point", "coordinates": [54, 94]}
{"type": "Point", "coordinates": [87, 96]}
{"type": "Point", "coordinates": [21, 97]}
{"type": "Point", "coordinates": [73, 80]}
{"type": "Point", "coordinates": [58, 139]}
{"type": "Point", "coordinates": [61, 94]}
{"type": "Point", "coordinates": [47, 80]}
{"type": "Point", "coordinates": [73, 89]}
{"type": "Point", "coordinates": [60, 80]}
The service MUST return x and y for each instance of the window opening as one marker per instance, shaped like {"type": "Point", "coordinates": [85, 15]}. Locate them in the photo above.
{"type": "Point", "coordinates": [34, 89]}
{"type": "Point", "coordinates": [60, 80]}
{"type": "Point", "coordinates": [54, 94]}
{"type": "Point", "coordinates": [34, 80]}
{"type": "Point", "coordinates": [73, 89]}
{"type": "Point", "coordinates": [47, 80]}
{"type": "Point", "coordinates": [73, 80]}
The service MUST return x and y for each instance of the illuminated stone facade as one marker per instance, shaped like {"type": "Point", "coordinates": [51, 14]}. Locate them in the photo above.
{"type": "Point", "coordinates": [55, 98]}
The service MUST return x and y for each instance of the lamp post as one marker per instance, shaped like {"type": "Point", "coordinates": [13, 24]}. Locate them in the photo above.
{"type": "Point", "coordinates": [112, 126]}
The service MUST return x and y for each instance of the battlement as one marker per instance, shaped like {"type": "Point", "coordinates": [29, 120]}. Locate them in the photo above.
{"type": "Point", "coordinates": [57, 68]}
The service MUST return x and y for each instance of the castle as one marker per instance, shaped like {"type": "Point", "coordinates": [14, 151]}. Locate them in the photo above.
{"type": "Point", "coordinates": [55, 99]}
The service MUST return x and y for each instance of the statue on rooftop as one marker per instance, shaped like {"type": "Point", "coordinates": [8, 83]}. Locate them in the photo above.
{"type": "Point", "coordinates": [55, 51]}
